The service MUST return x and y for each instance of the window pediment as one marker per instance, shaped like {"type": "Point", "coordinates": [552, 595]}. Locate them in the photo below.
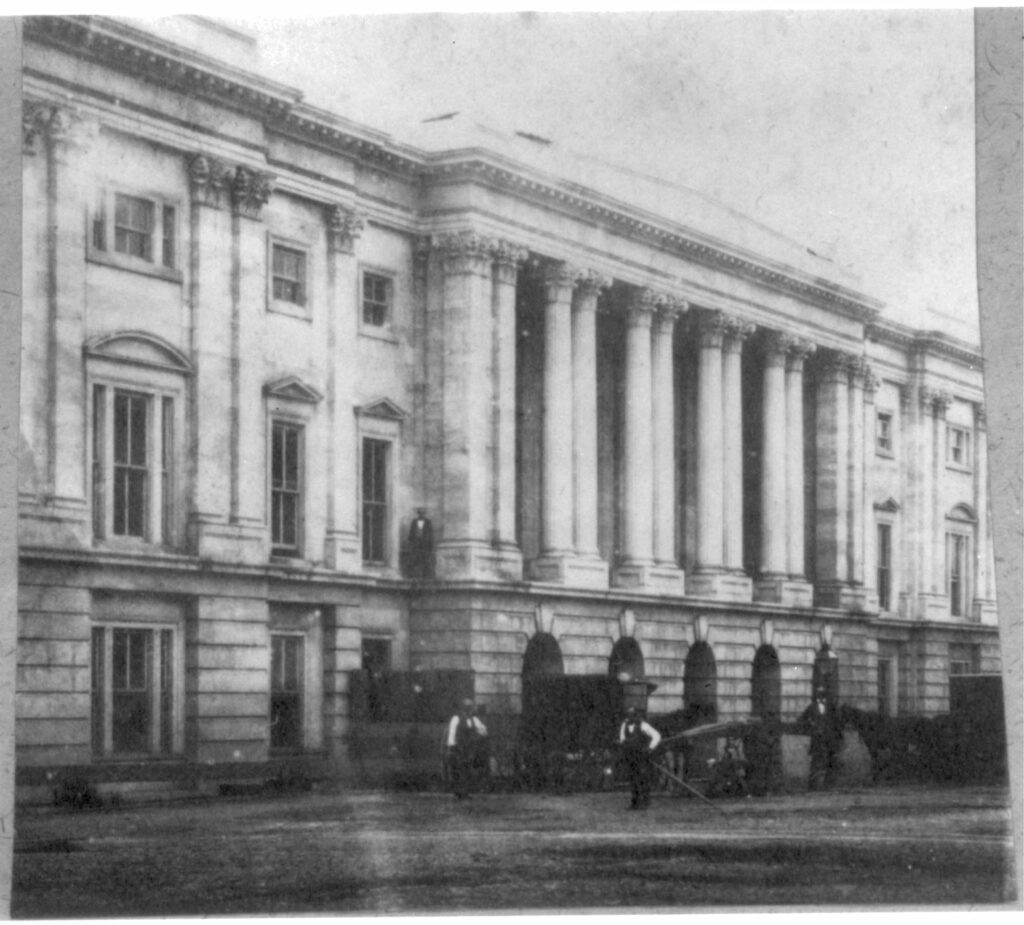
{"type": "Point", "coordinates": [291, 388]}
{"type": "Point", "coordinates": [889, 505]}
{"type": "Point", "coordinates": [383, 408]}
{"type": "Point", "coordinates": [962, 512]}
{"type": "Point", "coordinates": [138, 348]}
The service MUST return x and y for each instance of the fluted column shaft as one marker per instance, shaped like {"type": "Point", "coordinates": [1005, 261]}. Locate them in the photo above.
{"type": "Point", "coordinates": [557, 461]}
{"type": "Point", "coordinates": [506, 273]}
{"type": "Point", "coordinates": [664, 435]}
{"type": "Point", "coordinates": [710, 440]}
{"type": "Point", "coordinates": [732, 444]}
{"type": "Point", "coordinates": [638, 432]}
{"type": "Point", "coordinates": [584, 391]}
{"type": "Point", "coordinates": [796, 563]}
{"type": "Point", "coordinates": [773, 462]}
{"type": "Point", "coordinates": [832, 475]}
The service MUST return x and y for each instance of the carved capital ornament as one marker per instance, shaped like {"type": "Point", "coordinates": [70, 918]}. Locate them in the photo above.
{"type": "Point", "coordinates": [344, 226]}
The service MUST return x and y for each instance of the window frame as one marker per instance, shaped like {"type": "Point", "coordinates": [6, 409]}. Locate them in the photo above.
{"type": "Point", "coordinates": [885, 588]}
{"type": "Point", "coordinates": [164, 259]}
{"type": "Point", "coordinates": [958, 560]}
{"type": "Point", "coordinates": [285, 636]}
{"type": "Point", "coordinates": [306, 623]}
{"type": "Point", "coordinates": [302, 309]}
{"type": "Point", "coordinates": [162, 517]}
{"type": "Point", "coordinates": [383, 509]}
{"type": "Point", "coordinates": [165, 659]}
{"type": "Point", "coordinates": [385, 330]}
{"type": "Point", "coordinates": [953, 446]}
{"type": "Point", "coordinates": [278, 549]}
{"type": "Point", "coordinates": [889, 419]}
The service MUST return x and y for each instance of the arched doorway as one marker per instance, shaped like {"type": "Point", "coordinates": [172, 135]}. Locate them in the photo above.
{"type": "Point", "coordinates": [700, 686]}
{"type": "Point", "coordinates": [626, 661]}
{"type": "Point", "coordinates": [766, 684]}
{"type": "Point", "coordinates": [542, 728]}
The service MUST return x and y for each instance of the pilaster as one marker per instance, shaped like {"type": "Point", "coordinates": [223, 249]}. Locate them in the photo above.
{"type": "Point", "coordinates": [341, 544]}
{"type": "Point", "coordinates": [867, 494]}
{"type": "Point", "coordinates": [984, 605]}
{"type": "Point", "coordinates": [736, 334]}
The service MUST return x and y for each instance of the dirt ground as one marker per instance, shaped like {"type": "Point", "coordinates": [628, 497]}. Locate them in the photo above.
{"type": "Point", "coordinates": [383, 852]}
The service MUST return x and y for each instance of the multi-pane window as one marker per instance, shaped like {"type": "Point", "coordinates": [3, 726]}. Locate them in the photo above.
{"type": "Point", "coordinates": [132, 691]}
{"type": "Point", "coordinates": [289, 274]}
{"type": "Point", "coordinates": [956, 573]}
{"type": "Point", "coordinates": [285, 488]}
{"type": "Point", "coordinates": [286, 683]}
{"type": "Point", "coordinates": [375, 499]}
{"type": "Point", "coordinates": [143, 229]}
{"type": "Point", "coordinates": [132, 464]}
{"type": "Point", "coordinates": [376, 299]}
{"type": "Point", "coordinates": [958, 446]}
{"type": "Point", "coordinates": [884, 573]}
{"type": "Point", "coordinates": [883, 433]}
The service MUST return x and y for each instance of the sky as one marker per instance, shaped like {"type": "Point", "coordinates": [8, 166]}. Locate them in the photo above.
{"type": "Point", "coordinates": [850, 132]}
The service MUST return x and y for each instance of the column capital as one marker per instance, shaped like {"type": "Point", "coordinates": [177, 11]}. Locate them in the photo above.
{"type": "Point", "coordinates": [59, 125]}
{"type": "Point", "coordinates": [559, 279]}
{"type": "Point", "coordinates": [464, 251]}
{"type": "Point", "coordinates": [935, 400]}
{"type": "Point", "coordinates": [250, 190]}
{"type": "Point", "coordinates": [642, 306]}
{"type": "Point", "coordinates": [799, 350]}
{"type": "Point", "coordinates": [777, 346]}
{"type": "Point", "coordinates": [668, 312]}
{"type": "Point", "coordinates": [591, 282]}
{"type": "Point", "coordinates": [871, 381]}
{"type": "Point", "coordinates": [344, 226]}
{"type": "Point", "coordinates": [209, 180]}
{"type": "Point", "coordinates": [712, 326]}
{"type": "Point", "coordinates": [506, 253]}
{"type": "Point", "coordinates": [835, 366]}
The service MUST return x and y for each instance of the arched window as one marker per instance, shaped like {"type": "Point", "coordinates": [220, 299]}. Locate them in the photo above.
{"type": "Point", "coordinates": [543, 657]}
{"type": "Point", "coordinates": [700, 685]}
{"type": "Point", "coordinates": [626, 661]}
{"type": "Point", "coordinates": [766, 684]}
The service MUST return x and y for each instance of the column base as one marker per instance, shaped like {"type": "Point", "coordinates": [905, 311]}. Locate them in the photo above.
{"type": "Point", "coordinates": [342, 552]}
{"type": "Point", "coordinates": [477, 560]}
{"type": "Point", "coordinates": [572, 570]}
{"type": "Point", "coordinates": [932, 606]}
{"type": "Point", "coordinates": [656, 576]}
{"type": "Point", "coordinates": [231, 542]}
{"type": "Point", "coordinates": [721, 586]}
{"type": "Point", "coordinates": [983, 611]}
{"type": "Point", "coordinates": [781, 589]}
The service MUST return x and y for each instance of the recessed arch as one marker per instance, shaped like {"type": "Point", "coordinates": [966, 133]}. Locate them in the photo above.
{"type": "Point", "coordinates": [626, 659]}
{"type": "Point", "coordinates": [543, 657]}
{"type": "Point", "coordinates": [766, 683]}
{"type": "Point", "coordinates": [700, 685]}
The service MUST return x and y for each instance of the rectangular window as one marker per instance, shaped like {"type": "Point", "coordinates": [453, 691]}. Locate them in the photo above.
{"type": "Point", "coordinates": [958, 443]}
{"type": "Point", "coordinates": [883, 433]}
{"type": "Point", "coordinates": [130, 463]}
{"type": "Point", "coordinates": [286, 681]}
{"type": "Point", "coordinates": [285, 488]}
{"type": "Point", "coordinates": [376, 299]}
{"type": "Point", "coordinates": [956, 552]}
{"type": "Point", "coordinates": [885, 689]}
{"type": "Point", "coordinates": [289, 274]}
{"type": "Point", "coordinates": [134, 226]}
{"type": "Point", "coordinates": [375, 500]}
{"type": "Point", "coordinates": [884, 574]}
{"type": "Point", "coordinates": [132, 691]}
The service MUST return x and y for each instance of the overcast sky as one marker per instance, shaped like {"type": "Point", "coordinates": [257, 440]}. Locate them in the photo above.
{"type": "Point", "coordinates": [852, 132]}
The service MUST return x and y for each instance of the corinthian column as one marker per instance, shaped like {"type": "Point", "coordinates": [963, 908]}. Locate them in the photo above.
{"type": "Point", "coordinates": [584, 389]}
{"type": "Point", "coordinates": [736, 333]}
{"type": "Point", "coordinates": [795, 558]}
{"type": "Point", "coordinates": [507, 259]}
{"type": "Point", "coordinates": [341, 548]}
{"type": "Point", "coordinates": [664, 436]}
{"type": "Point", "coordinates": [773, 460]}
{"type": "Point", "coordinates": [984, 607]}
{"type": "Point", "coordinates": [556, 469]}
{"type": "Point", "coordinates": [858, 374]}
{"type": "Point", "coordinates": [710, 444]}
{"type": "Point", "coordinates": [832, 525]}
{"type": "Point", "coordinates": [638, 471]}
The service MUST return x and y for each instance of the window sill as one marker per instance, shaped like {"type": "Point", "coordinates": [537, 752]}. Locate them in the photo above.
{"type": "Point", "coordinates": [383, 334]}
{"type": "Point", "coordinates": [291, 309]}
{"type": "Point", "coordinates": [885, 454]}
{"type": "Point", "coordinates": [959, 467]}
{"type": "Point", "coordinates": [133, 265]}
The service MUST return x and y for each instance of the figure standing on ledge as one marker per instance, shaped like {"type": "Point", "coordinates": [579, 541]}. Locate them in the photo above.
{"type": "Point", "coordinates": [421, 546]}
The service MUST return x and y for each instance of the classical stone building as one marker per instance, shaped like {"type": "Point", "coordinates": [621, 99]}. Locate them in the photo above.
{"type": "Point", "coordinates": [653, 437]}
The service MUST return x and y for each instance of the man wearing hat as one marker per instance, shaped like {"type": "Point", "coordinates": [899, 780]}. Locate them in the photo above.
{"type": "Point", "coordinates": [819, 720]}
{"type": "Point", "coordinates": [638, 740]}
{"type": "Point", "coordinates": [466, 734]}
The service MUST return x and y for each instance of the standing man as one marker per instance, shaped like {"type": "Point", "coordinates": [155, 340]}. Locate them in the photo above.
{"type": "Point", "coordinates": [638, 740]}
{"type": "Point", "coordinates": [421, 546]}
{"type": "Point", "coordinates": [465, 743]}
{"type": "Point", "coordinates": [820, 721]}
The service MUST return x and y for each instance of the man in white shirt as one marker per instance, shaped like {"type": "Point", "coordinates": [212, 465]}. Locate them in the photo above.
{"type": "Point", "coordinates": [465, 742]}
{"type": "Point", "coordinates": [638, 739]}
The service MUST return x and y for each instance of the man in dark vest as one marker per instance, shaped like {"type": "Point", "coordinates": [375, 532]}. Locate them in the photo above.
{"type": "Point", "coordinates": [466, 747]}
{"type": "Point", "coordinates": [421, 546]}
{"type": "Point", "coordinates": [638, 740]}
{"type": "Point", "coordinates": [819, 720]}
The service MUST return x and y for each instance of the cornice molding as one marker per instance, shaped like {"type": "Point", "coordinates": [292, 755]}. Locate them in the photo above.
{"type": "Point", "coordinates": [913, 340]}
